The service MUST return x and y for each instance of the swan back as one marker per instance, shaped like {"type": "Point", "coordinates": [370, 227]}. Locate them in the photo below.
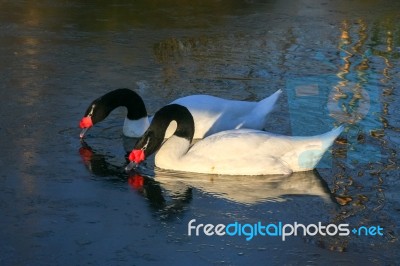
{"type": "Point", "coordinates": [212, 114]}
{"type": "Point", "coordinates": [254, 152]}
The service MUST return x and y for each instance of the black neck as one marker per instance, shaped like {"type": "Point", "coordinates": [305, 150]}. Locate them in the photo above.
{"type": "Point", "coordinates": [178, 113]}
{"type": "Point", "coordinates": [105, 104]}
{"type": "Point", "coordinates": [154, 136]}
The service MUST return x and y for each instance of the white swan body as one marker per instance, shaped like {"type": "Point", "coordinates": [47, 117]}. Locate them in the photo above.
{"type": "Point", "coordinates": [245, 152]}
{"type": "Point", "coordinates": [211, 114]}
{"type": "Point", "coordinates": [231, 152]}
{"type": "Point", "coordinates": [135, 128]}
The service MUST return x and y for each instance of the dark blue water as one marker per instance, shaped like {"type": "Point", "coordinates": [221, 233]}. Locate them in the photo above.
{"type": "Point", "coordinates": [63, 202]}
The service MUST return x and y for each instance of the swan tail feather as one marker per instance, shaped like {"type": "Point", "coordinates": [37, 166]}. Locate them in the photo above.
{"type": "Point", "coordinates": [310, 157]}
{"type": "Point", "coordinates": [329, 137]}
{"type": "Point", "coordinates": [257, 118]}
{"type": "Point", "coordinates": [266, 105]}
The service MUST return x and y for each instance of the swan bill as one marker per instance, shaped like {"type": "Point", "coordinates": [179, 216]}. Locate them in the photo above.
{"type": "Point", "coordinates": [132, 165]}
{"type": "Point", "coordinates": [83, 132]}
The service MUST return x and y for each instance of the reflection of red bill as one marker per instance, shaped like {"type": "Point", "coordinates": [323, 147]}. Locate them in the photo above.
{"type": "Point", "coordinates": [86, 154]}
{"type": "Point", "coordinates": [136, 181]}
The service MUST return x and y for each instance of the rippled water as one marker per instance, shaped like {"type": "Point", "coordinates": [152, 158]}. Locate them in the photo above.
{"type": "Point", "coordinates": [66, 202]}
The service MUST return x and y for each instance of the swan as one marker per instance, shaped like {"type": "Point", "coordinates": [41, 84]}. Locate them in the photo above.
{"type": "Point", "coordinates": [230, 152]}
{"type": "Point", "coordinates": [211, 114]}
{"type": "Point", "coordinates": [240, 189]}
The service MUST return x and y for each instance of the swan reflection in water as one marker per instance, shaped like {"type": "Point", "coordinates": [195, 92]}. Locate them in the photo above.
{"type": "Point", "coordinates": [248, 189]}
{"type": "Point", "coordinates": [172, 191]}
{"type": "Point", "coordinates": [165, 204]}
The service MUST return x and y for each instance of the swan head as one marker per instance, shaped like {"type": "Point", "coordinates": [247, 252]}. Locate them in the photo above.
{"type": "Point", "coordinates": [101, 107]}
{"type": "Point", "coordinates": [153, 138]}
{"type": "Point", "coordinates": [149, 143]}
{"type": "Point", "coordinates": [92, 116]}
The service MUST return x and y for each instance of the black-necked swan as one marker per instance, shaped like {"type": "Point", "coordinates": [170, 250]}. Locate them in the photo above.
{"type": "Point", "coordinates": [230, 152]}
{"type": "Point", "coordinates": [211, 114]}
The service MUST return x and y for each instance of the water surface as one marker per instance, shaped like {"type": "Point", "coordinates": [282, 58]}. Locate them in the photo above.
{"type": "Point", "coordinates": [63, 202]}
